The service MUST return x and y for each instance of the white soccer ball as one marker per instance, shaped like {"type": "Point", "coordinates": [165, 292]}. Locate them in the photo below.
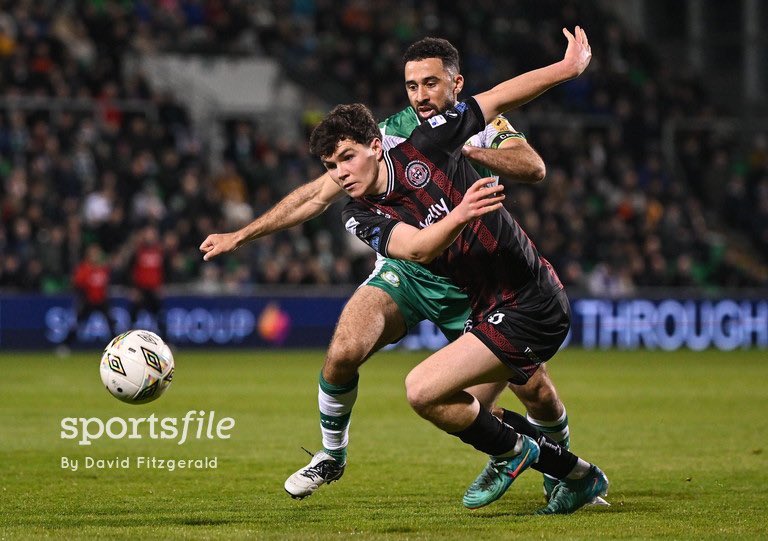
{"type": "Point", "coordinates": [137, 367]}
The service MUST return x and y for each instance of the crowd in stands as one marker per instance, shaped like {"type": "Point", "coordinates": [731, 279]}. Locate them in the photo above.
{"type": "Point", "coordinates": [102, 154]}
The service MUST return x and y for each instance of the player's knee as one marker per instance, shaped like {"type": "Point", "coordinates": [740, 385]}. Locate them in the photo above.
{"type": "Point", "coordinates": [343, 358]}
{"type": "Point", "coordinates": [416, 392]}
{"type": "Point", "coordinates": [420, 395]}
{"type": "Point", "coordinates": [348, 346]}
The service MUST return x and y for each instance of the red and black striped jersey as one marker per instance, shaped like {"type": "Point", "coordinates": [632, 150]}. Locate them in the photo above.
{"type": "Point", "coordinates": [493, 259]}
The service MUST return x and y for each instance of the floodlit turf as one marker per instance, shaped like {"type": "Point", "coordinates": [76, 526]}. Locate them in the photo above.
{"type": "Point", "coordinates": [682, 437]}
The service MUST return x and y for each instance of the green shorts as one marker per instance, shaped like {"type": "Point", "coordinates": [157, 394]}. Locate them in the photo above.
{"type": "Point", "coordinates": [421, 295]}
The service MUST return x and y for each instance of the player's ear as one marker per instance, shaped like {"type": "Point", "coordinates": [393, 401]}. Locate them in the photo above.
{"type": "Point", "coordinates": [377, 148]}
{"type": "Point", "coordinates": [458, 84]}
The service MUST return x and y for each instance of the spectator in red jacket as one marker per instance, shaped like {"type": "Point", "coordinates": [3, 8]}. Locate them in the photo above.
{"type": "Point", "coordinates": [91, 282]}
{"type": "Point", "coordinates": [148, 276]}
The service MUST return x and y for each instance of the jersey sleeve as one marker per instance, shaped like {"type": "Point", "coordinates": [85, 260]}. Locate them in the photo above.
{"type": "Point", "coordinates": [450, 130]}
{"type": "Point", "coordinates": [497, 132]}
{"type": "Point", "coordinates": [492, 137]}
{"type": "Point", "coordinates": [372, 227]}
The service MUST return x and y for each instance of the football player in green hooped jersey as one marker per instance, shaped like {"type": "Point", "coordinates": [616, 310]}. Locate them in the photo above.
{"type": "Point", "coordinates": [399, 294]}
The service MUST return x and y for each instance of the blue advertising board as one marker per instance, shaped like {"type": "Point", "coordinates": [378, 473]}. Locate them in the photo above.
{"type": "Point", "coordinates": [39, 322]}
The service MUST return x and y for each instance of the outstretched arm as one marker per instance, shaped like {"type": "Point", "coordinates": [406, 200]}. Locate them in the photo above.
{"type": "Point", "coordinates": [424, 245]}
{"type": "Point", "coordinates": [302, 204]}
{"type": "Point", "coordinates": [523, 88]}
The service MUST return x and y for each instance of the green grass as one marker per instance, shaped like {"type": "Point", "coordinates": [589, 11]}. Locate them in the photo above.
{"type": "Point", "coordinates": [681, 436]}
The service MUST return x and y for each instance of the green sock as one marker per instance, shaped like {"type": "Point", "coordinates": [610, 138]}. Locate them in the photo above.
{"type": "Point", "coordinates": [339, 454]}
{"type": "Point", "coordinates": [557, 430]}
{"type": "Point", "coordinates": [335, 403]}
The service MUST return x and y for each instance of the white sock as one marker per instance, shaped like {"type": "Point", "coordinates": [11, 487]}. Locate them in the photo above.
{"type": "Point", "coordinates": [556, 430]}
{"type": "Point", "coordinates": [335, 403]}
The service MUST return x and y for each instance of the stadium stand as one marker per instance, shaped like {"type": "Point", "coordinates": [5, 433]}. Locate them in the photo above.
{"type": "Point", "coordinates": [90, 152]}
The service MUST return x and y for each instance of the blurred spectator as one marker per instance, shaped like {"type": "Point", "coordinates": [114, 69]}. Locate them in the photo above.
{"type": "Point", "coordinates": [91, 282]}
{"type": "Point", "coordinates": [148, 276]}
{"type": "Point", "coordinates": [605, 281]}
{"type": "Point", "coordinates": [233, 194]}
{"type": "Point", "coordinates": [612, 214]}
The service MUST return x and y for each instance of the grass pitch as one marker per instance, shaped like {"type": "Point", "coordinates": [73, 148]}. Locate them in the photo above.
{"type": "Point", "coordinates": [681, 436]}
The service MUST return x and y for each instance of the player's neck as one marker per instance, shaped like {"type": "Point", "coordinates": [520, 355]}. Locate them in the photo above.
{"type": "Point", "coordinates": [382, 174]}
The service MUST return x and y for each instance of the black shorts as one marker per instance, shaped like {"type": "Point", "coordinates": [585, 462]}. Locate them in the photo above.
{"type": "Point", "coordinates": [524, 338]}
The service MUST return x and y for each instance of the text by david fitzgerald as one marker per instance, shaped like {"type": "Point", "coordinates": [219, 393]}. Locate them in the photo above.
{"type": "Point", "coordinates": [139, 462]}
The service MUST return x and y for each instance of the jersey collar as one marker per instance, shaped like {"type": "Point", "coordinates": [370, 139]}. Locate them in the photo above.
{"type": "Point", "coordinates": [390, 179]}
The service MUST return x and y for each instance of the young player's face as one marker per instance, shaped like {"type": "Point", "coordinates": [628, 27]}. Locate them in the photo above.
{"type": "Point", "coordinates": [355, 167]}
{"type": "Point", "coordinates": [431, 88]}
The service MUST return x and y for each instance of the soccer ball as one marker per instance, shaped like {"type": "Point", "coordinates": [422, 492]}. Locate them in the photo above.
{"type": "Point", "coordinates": [137, 367]}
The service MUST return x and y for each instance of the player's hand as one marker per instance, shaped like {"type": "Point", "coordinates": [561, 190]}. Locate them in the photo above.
{"type": "Point", "coordinates": [579, 53]}
{"type": "Point", "coordinates": [218, 243]}
{"type": "Point", "coordinates": [482, 197]}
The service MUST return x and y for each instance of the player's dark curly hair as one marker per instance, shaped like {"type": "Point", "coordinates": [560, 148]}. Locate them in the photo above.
{"type": "Point", "coordinates": [354, 121]}
{"type": "Point", "coordinates": [434, 48]}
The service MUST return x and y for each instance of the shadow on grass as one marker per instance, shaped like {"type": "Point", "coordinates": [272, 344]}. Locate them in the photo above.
{"type": "Point", "coordinates": [618, 505]}
{"type": "Point", "coordinates": [111, 522]}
